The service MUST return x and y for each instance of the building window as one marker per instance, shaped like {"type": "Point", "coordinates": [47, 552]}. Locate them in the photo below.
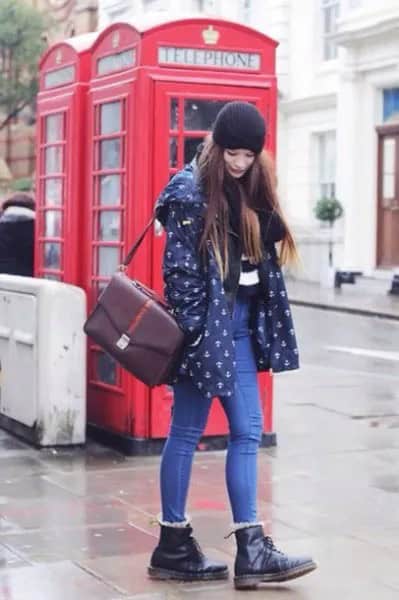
{"type": "Point", "coordinates": [391, 104]}
{"type": "Point", "coordinates": [207, 6]}
{"type": "Point", "coordinates": [246, 10]}
{"type": "Point", "coordinates": [327, 159]}
{"type": "Point", "coordinates": [330, 14]}
{"type": "Point", "coordinates": [153, 5]}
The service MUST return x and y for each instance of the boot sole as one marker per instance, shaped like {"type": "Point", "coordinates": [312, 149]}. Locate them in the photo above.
{"type": "Point", "coordinates": [250, 582]}
{"type": "Point", "coordinates": [166, 574]}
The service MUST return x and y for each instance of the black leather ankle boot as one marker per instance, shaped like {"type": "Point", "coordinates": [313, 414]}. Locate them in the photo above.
{"type": "Point", "coordinates": [258, 560]}
{"type": "Point", "coordinates": [179, 556]}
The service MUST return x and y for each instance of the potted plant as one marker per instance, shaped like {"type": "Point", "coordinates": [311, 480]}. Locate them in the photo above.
{"type": "Point", "coordinates": [328, 210]}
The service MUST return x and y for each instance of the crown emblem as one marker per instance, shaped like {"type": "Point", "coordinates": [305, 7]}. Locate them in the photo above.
{"type": "Point", "coordinates": [58, 57]}
{"type": "Point", "coordinates": [115, 39]}
{"type": "Point", "coordinates": [211, 36]}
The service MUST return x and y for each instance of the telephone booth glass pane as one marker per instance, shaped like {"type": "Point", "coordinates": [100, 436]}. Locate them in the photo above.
{"type": "Point", "coordinates": [52, 255]}
{"type": "Point", "coordinates": [100, 287]}
{"type": "Point", "coordinates": [173, 149]}
{"type": "Point", "coordinates": [50, 215]}
{"type": "Point", "coordinates": [110, 154]}
{"type": "Point", "coordinates": [199, 115]}
{"type": "Point", "coordinates": [174, 114]}
{"type": "Point", "coordinates": [107, 217]}
{"type": "Point", "coordinates": [52, 223]}
{"type": "Point", "coordinates": [110, 190]}
{"type": "Point", "coordinates": [109, 226]}
{"type": "Point", "coordinates": [106, 369]}
{"type": "Point", "coordinates": [53, 192]}
{"type": "Point", "coordinates": [108, 261]}
{"type": "Point", "coordinates": [52, 277]}
{"type": "Point", "coordinates": [110, 118]}
{"type": "Point", "coordinates": [53, 159]}
{"type": "Point", "coordinates": [54, 128]}
{"type": "Point", "coordinates": [190, 148]}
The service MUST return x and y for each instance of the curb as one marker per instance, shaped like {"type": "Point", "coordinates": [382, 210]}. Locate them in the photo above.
{"type": "Point", "coordinates": [364, 312]}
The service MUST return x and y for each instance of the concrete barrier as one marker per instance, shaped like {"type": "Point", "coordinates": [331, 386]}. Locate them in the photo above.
{"type": "Point", "coordinates": [42, 360]}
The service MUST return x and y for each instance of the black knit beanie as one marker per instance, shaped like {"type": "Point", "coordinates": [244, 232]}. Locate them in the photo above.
{"type": "Point", "coordinates": [240, 125]}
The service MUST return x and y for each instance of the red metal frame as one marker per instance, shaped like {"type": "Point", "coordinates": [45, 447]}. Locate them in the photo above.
{"type": "Point", "coordinates": [165, 92]}
{"type": "Point", "coordinates": [66, 99]}
{"type": "Point", "coordinates": [109, 404]}
{"type": "Point", "coordinates": [130, 74]}
{"type": "Point", "coordinates": [144, 413]}
{"type": "Point", "coordinates": [47, 207]}
{"type": "Point", "coordinates": [99, 391]}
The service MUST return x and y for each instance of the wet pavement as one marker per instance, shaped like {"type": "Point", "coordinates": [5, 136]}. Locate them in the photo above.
{"type": "Point", "coordinates": [368, 296]}
{"type": "Point", "coordinates": [78, 523]}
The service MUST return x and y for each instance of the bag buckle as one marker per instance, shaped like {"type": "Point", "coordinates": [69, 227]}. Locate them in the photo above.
{"type": "Point", "coordinates": [123, 342]}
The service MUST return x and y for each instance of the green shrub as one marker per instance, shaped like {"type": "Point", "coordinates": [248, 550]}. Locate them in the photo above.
{"type": "Point", "coordinates": [328, 209]}
{"type": "Point", "coordinates": [24, 184]}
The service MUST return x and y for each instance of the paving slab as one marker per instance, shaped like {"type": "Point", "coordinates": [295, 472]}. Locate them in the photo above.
{"type": "Point", "coordinates": [60, 581]}
{"type": "Point", "coordinates": [71, 512]}
{"type": "Point", "coordinates": [17, 467]}
{"type": "Point", "coordinates": [119, 482]}
{"type": "Point", "coordinates": [78, 543]}
{"type": "Point", "coordinates": [130, 575]}
{"type": "Point", "coordinates": [70, 459]}
{"type": "Point", "coordinates": [10, 560]}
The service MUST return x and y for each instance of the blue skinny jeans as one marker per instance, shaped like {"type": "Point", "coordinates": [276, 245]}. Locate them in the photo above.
{"type": "Point", "coordinates": [189, 418]}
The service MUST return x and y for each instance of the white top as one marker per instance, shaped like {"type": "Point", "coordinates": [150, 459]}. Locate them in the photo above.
{"type": "Point", "coordinates": [250, 277]}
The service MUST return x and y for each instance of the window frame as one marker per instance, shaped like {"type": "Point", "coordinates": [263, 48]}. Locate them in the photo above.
{"type": "Point", "coordinates": [390, 104]}
{"type": "Point", "coordinates": [329, 47]}
{"type": "Point", "coordinates": [326, 184]}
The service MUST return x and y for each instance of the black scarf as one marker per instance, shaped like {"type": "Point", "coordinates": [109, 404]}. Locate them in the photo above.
{"type": "Point", "coordinates": [232, 192]}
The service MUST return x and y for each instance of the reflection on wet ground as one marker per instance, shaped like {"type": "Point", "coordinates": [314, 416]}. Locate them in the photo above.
{"type": "Point", "coordinates": [79, 523]}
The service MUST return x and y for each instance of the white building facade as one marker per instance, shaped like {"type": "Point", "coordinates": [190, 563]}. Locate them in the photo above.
{"type": "Point", "coordinates": [338, 131]}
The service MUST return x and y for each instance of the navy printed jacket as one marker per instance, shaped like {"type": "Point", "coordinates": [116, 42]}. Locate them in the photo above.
{"type": "Point", "coordinates": [195, 293]}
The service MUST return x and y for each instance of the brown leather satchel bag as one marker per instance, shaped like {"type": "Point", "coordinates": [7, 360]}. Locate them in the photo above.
{"type": "Point", "coordinates": [135, 326]}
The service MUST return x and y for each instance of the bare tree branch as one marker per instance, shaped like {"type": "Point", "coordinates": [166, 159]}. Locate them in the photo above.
{"type": "Point", "coordinates": [13, 114]}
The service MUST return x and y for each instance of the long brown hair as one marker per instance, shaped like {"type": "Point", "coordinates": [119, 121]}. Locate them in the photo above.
{"type": "Point", "coordinates": [257, 190]}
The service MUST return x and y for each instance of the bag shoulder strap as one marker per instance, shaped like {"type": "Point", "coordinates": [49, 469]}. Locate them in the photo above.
{"type": "Point", "coordinates": [136, 244]}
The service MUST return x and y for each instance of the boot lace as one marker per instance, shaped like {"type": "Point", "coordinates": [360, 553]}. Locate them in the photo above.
{"type": "Point", "coordinates": [197, 547]}
{"type": "Point", "coordinates": [269, 544]}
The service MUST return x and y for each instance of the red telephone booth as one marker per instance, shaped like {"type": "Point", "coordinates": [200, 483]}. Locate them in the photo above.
{"type": "Point", "coordinates": [154, 94]}
{"type": "Point", "coordinates": [61, 105]}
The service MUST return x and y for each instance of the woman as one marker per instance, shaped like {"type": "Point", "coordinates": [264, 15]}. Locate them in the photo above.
{"type": "Point", "coordinates": [224, 284]}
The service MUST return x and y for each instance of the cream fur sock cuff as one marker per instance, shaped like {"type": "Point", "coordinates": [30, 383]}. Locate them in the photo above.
{"type": "Point", "coordinates": [178, 524]}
